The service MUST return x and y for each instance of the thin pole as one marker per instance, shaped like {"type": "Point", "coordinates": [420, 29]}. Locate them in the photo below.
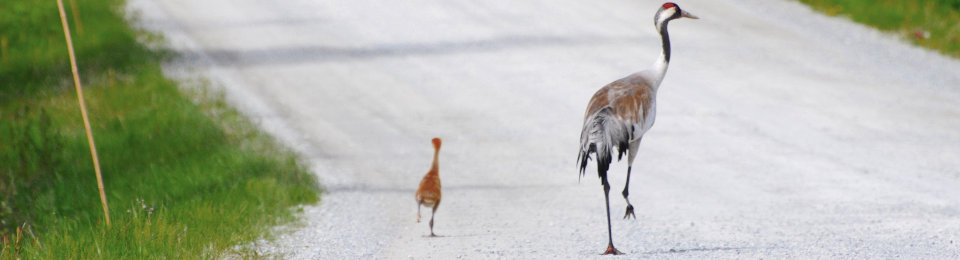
{"type": "Point", "coordinates": [83, 111]}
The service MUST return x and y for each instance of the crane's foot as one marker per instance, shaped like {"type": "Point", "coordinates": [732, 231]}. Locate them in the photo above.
{"type": "Point", "coordinates": [629, 213]}
{"type": "Point", "coordinates": [612, 251]}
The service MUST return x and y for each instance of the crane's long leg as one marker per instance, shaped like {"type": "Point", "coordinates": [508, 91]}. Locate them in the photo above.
{"type": "Point", "coordinates": [431, 219]}
{"type": "Point", "coordinates": [606, 196]}
{"type": "Point", "coordinates": [626, 187]}
{"type": "Point", "coordinates": [418, 212]}
{"type": "Point", "coordinates": [626, 192]}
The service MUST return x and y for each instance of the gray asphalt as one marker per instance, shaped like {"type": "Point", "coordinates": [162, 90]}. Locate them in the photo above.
{"type": "Point", "coordinates": [780, 133]}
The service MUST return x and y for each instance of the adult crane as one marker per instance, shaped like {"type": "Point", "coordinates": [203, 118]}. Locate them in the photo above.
{"type": "Point", "coordinates": [621, 112]}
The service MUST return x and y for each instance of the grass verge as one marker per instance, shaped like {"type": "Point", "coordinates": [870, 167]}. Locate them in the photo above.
{"type": "Point", "coordinates": [184, 179]}
{"type": "Point", "coordinates": [934, 24]}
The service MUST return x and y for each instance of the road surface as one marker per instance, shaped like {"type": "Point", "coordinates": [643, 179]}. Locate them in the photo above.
{"type": "Point", "coordinates": [781, 132]}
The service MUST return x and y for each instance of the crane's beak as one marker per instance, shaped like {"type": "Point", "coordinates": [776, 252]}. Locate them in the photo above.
{"type": "Point", "coordinates": [688, 15]}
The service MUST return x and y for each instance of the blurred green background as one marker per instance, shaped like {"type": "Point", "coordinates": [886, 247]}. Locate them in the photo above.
{"type": "Point", "coordinates": [186, 176]}
{"type": "Point", "coordinates": [933, 24]}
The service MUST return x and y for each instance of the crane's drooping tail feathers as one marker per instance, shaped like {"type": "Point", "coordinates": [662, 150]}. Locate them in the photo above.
{"type": "Point", "coordinates": [601, 132]}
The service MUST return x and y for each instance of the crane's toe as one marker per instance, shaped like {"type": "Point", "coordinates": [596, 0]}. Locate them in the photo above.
{"type": "Point", "coordinates": [629, 213]}
{"type": "Point", "coordinates": [612, 251]}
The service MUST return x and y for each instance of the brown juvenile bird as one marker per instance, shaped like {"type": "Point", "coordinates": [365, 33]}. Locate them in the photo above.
{"type": "Point", "coordinates": [429, 192]}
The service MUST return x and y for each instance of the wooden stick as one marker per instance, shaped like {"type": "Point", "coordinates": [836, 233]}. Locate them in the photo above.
{"type": "Point", "coordinates": [83, 111]}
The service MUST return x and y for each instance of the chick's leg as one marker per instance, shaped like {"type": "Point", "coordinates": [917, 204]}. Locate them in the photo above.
{"type": "Point", "coordinates": [431, 220]}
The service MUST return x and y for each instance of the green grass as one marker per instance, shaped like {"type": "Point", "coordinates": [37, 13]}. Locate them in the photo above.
{"type": "Point", "coordinates": [186, 176]}
{"type": "Point", "coordinates": [934, 24]}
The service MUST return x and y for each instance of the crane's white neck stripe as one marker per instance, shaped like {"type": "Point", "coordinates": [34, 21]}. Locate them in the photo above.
{"type": "Point", "coordinates": [660, 70]}
{"type": "Point", "coordinates": [663, 16]}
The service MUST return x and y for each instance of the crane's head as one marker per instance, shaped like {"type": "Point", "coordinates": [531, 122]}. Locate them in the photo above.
{"type": "Point", "coordinates": [436, 143]}
{"type": "Point", "coordinates": [669, 11]}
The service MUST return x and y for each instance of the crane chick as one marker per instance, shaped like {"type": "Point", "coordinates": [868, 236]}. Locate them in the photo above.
{"type": "Point", "coordinates": [429, 192]}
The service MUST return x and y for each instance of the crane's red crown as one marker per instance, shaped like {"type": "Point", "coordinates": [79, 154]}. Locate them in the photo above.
{"type": "Point", "coordinates": [669, 5]}
{"type": "Point", "coordinates": [436, 142]}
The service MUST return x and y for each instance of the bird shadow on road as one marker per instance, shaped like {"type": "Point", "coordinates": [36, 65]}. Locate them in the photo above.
{"type": "Point", "coordinates": [499, 187]}
{"type": "Point", "coordinates": [698, 249]}
{"type": "Point", "coordinates": [452, 236]}
{"type": "Point", "coordinates": [373, 189]}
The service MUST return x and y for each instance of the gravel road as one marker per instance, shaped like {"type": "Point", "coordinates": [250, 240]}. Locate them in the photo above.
{"type": "Point", "coordinates": [780, 133]}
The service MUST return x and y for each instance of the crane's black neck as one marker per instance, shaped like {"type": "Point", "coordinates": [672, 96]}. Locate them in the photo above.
{"type": "Point", "coordinates": [665, 37]}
